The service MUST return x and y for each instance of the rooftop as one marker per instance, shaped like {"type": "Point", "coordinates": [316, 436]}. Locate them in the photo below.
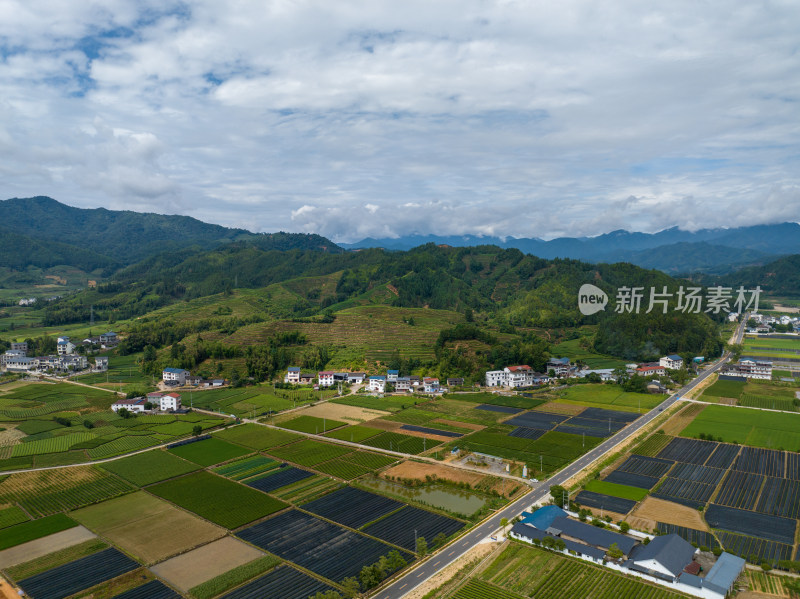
{"type": "Point", "coordinates": [724, 573]}
{"type": "Point", "coordinates": [599, 537]}
{"type": "Point", "coordinates": [543, 517]}
{"type": "Point", "coordinates": [671, 551]}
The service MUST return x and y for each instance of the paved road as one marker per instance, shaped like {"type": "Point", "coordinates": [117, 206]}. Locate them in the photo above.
{"type": "Point", "coordinates": [450, 553]}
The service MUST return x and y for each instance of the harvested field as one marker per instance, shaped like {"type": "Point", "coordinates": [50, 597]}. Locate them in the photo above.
{"type": "Point", "coordinates": [146, 527]}
{"type": "Point", "coordinates": [40, 547]}
{"type": "Point", "coordinates": [204, 563]}
{"type": "Point", "coordinates": [385, 425]}
{"type": "Point", "coordinates": [658, 510]}
{"type": "Point", "coordinates": [415, 470]}
{"type": "Point", "coordinates": [554, 407]}
{"type": "Point", "coordinates": [682, 419]}
{"type": "Point", "coordinates": [337, 411]}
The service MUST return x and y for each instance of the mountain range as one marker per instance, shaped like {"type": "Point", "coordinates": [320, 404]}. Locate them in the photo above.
{"type": "Point", "coordinates": [43, 233]}
{"type": "Point", "coordinates": [672, 250]}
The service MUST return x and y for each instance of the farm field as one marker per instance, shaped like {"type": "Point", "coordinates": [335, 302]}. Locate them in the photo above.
{"type": "Point", "coordinates": [209, 451]}
{"type": "Point", "coordinates": [146, 527]}
{"type": "Point", "coordinates": [325, 549]}
{"type": "Point", "coordinates": [257, 437]}
{"type": "Point", "coordinates": [53, 558]}
{"type": "Point", "coordinates": [401, 443]}
{"type": "Point", "coordinates": [247, 467]}
{"type": "Point", "coordinates": [150, 467]}
{"type": "Point", "coordinates": [35, 529]}
{"type": "Point", "coordinates": [352, 507]}
{"type": "Point", "coordinates": [219, 500]}
{"type": "Point", "coordinates": [309, 452]}
{"type": "Point", "coordinates": [46, 492]}
{"type": "Point", "coordinates": [311, 424]}
{"type": "Point", "coordinates": [354, 434]}
{"type": "Point", "coordinates": [616, 490]}
{"type": "Point", "coordinates": [388, 404]}
{"type": "Point", "coordinates": [539, 573]}
{"type": "Point", "coordinates": [11, 516]}
{"type": "Point", "coordinates": [404, 526]}
{"type": "Point", "coordinates": [122, 370]}
{"type": "Point", "coordinates": [284, 582]}
{"type": "Point", "coordinates": [750, 427]}
{"type": "Point", "coordinates": [571, 349]}
{"type": "Point", "coordinates": [205, 563]}
{"type": "Point", "coordinates": [278, 478]}
{"type": "Point", "coordinates": [611, 397]}
{"type": "Point", "coordinates": [65, 580]}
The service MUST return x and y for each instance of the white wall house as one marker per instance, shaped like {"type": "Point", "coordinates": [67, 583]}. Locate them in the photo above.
{"type": "Point", "coordinates": [671, 362]}
{"type": "Point", "coordinates": [430, 385]}
{"type": "Point", "coordinates": [21, 364]}
{"type": "Point", "coordinates": [355, 378]}
{"type": "Point", "coordinates": [132, 405]}
{"type": "Point", "coordinates": [101, 364]}
{"type": "Point", "coordinates": [292, 375]}
{"type": "Point", "coordinates": [377, 383]}
{"type": "Point", "coordinates": [754, 369]}
{"type": "Point", "coordinates": [64, 346]}
{"type": "Point", "coordinates": [170, 401]}
{"type": "Point", "coordinates": [175, 375]}
{"type": "Point", "coordinates": [403, 383]}
{"type": "Point", "coordinates": [326, 378]}
{"type": "Point", "coordinates": [391, 375]}
{"type": "Point", "coordinates": [512, 376]}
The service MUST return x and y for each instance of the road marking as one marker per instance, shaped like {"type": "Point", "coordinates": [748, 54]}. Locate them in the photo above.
{"type": "Point", "coordinates": [402, 587]}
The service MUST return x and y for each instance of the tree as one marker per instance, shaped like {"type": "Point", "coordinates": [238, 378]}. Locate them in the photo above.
{"type": "Point", "coordinates": [441, 539]}
{"type": "Point", "coordinates": [624, 527]}
{"type": "Point", "coordinates": [422, 546]}
{"type": "Point", "coordinates": [614, 552]}
{"type": "Point", "coordinates": [124, 413]}
{"type": "Point", "coordinates": [396, 560]}
{"type": "Point", "coordinates": [88, 424]}
{"type": "Point", "coordinates": [326, 595]}
{"type": "Point", "coordinates": [149, 405]}
{"type": "Point", "coordinates": [559, 494]}
{"type": "Point", "coordinates": [197, 430]}
{"type": "Point", "coordinates": [351, 586]}
{"type": "Point", "coordinates": [503, 523]}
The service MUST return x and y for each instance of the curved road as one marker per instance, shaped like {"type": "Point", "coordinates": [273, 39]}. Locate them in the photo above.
{"type": "Point", "coordinates": [453, 551]}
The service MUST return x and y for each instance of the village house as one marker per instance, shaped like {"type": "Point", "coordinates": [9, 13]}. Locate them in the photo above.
{"type": "Point", "coordinates": [377, 383]}
{"type": "Point", "coordinates": [403, 383]}
{"type": "Point", "coordinates": [326, 378]}
{"type": "Point", "coordinates": [64, 347]}
{"type": "Point", "coordinates": [356, 378]}
{"type": "Point", "coordinates": [307, 378]}
{"type": "Point", "coordinates": [20, 346]}
{"type": "Point", "coordinates": [16, 363]}
{"type": "Point", "coordinates": [109, 339]}
{"type": "Point", "coordinates": [671, 362]}
{"type": "Point", "coordinates": [135, 405]}
{"type": "Point", "coordinates": [193, 380]}
{"type": "Point", "coordinates": [605, 374]}
{"type": "Point", "coordinates": [753, 369]}
{"type": "Point", "coordinates": [415, 379]}
{"type": "Point", "coordinates": [513, 376]}
{"type": "Point", "coordinates": [430, 385]}
{"type": "Point", "coordinates": [561, 366]}
{"type": "Point", "coordinates": [292, 375]}
{"type": "Point", "coordinates": [455, 382]}
{"type": "Point", "coordinates": [651, 369]}
{"type": "Point", "coordinates": [174, 376]}
{"type": "Point", "coordinates": [165, 402]}
{"type": "Point", "coordinates": [391, 375]}
{"type": "Point", "coordinates": [100, 364]}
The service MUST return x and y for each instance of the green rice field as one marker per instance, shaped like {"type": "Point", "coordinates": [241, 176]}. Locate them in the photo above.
{"type": "Point", "coordinates": [771, 430]}
{"type": "Point", "coordinates": [150, 467]}
{"type": "Point", "coordinates": [209, 451]}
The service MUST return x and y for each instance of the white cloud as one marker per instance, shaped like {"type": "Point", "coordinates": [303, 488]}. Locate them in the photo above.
{"type": "Point", "coordinates": [468, 116]}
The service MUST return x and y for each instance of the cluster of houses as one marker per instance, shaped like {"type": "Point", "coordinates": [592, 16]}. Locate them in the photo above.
{"type": "Point", "coordinates": [161, 402]}
{"type": "Point", "coordinates": [667, 560]}
{"type": "Point", "coordinates": [16, 359]}
{"type": "Point", "coordinates": [525, 376]}
{"type": "Point", "coordinates": [748, 368]}
{"type": "Point", "coordinates": [766, 324]}
{"type": "Point", "coordinates": [178, 377]}
{"type": "Point", "coordinates": [378, 383]}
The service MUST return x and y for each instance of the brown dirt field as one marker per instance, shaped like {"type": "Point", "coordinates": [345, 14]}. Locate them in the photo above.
{"type": "Point", "coordinates": [682, 419]}
{"type": "Point", "coordinates": [615, 517]}
{"type": "Point", "coordinates": [756, 595]}
{"type": "Point", "coordinates": [555, 407]}
{"type": "Point", "coordinates": [204, 563]}
{"type": "Point", "coordinates": [33, 549]}
{"type": "Point", "coordinates": [419, 471]}
{"type": "Point", "coordinates": [6, 590]}
{"type": "Point", "coordinates": [334, 411]}
{"type": "Point", "coordinates": [474, 554]}
{"type": "Point", "coordinates": [10, 436]}
{"type": "Point", "coordinates": [467, 425]}
{"type": "Point", "coordinates": [728, 401]}
{"type": "Point", "coordinates": [658, 510]}
{"type": "Point", "coordinates": [147, 527]}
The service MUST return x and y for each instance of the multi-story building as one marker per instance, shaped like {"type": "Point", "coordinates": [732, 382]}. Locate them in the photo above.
{"type": "Point", "coordinates": [671, 362]}
{"type": "Point", "coordinates": [174, 376]}
{"type": "Point", "coordinates": [377, 383]}
{"type": "Point", "coordinates": [753, 369]}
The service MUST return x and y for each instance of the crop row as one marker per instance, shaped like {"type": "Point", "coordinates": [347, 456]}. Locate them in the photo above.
{"type": "Point", "coordinates": [404, 527]}
{"type": "Point", "coordinates": [700, 538]}
{"type": "Point", "coordinates": [691, 451]}
{"type": "Point", "coordinates": [768, 402]}
{"type": "Point", "coordinates": [123, 445]}
{"type": "Point", "coordinates": [780, 497]}
{"type": "Point", "coordinates": [686, 490]}
{"type": "Point", "coordinates": [342, 469]}
{"type": "Point", "coordinates": [276, 479]}
{"type": "Point", "coordinates": [773, 528]}
{"type": "Point", "coordinates": [50, 445]}
{"type": "Point", "coordinates": [740, 490]}
{"type": "Point", "coordinates": [647, 466]}
{"type": "Point", "coordinates": [700, 474]}
{"type": "Point", "coordinates": [50, 491]}
{"type": "Point", "coordinates": [769, 462]}
{"type": "Point", "coordinates": [753, 549]}
{"type": "Point", "coordinates": [653, 445]}
{"type": "Point", "coordinates": [309, 452]}
{"type": "Point", "coordinates": [283, 582]}
{"type": "Point", "coordinates": [477, 589]}
{"type": "Point", "coordinates": [247, 467]}
{"type": "Point", "coordinates": [50, 408]}
{"type": "Point", "coordinates": [401, 443]}
{"type": "Point", "coordinates": [352, 507]}
{"type": "Point", "coordinates": [723, 456]}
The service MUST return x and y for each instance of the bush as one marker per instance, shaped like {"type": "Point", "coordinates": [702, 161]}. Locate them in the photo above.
{"type": "Point", "coordinates": [717, 551]}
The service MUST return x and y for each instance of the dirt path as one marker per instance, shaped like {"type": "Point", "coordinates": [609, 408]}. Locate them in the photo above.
{"type": "Point", "coordinates": [6, 590]}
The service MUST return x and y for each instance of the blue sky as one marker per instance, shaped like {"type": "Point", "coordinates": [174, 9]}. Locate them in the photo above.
{"type": "Point", "coordinates": [355, 119]}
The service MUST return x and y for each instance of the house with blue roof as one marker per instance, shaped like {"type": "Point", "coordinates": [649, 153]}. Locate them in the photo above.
{"type": "Point", "coordinates": [391, 375]}
{"type": "Point", "coordinates": [543, 517]}
{"type": "Point", "coordinates": [671, 362]}
{"type": "Point", "coordinates": [174, 376]}
{"type": "Point", "coordinates": [292, 375]}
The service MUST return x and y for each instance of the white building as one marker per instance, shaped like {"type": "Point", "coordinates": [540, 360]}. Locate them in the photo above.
{"type": "Point", "coordinates": [355, 378]}
{"type": "Point", "coordinates": [170, 402]}
{"type": "Point", "coordinates": [561, 366]}
{"type": "Point", "coordinates": [671, 362]}
{"type": "Point", "coordinates": [391, 375]}
{"type": "Point", "coordinates": [430, 385]}
{"type": "Point", "coordinates": [20, 346]}
{"type": "Point", "coordinates": [403, 383]}
{"type": "Point", "coordinates": [109, 339]}
{"type": "Point", "coordinates": [377, 383]}
{"type": "Point", "coordinates": [327, 378]}
{"type": "Point", "coordinates": [21, 364]}
{"type": "Point", "coordinates": [754, 369]}
{"type": "Point", "coordinates": [292, 375]}
{"type": "Point", "coordinates": [64, 346]}
{"type": "Point", "coordinates": [101, 363]}
{"type": "Point", "coordinates": [605, 374]}
{"type": "Point", "coordinates": [135, 405]}
{"type": "Point", "coordinates": [175, 376]}
{"type": "Point", "coordinates": [512, 376]}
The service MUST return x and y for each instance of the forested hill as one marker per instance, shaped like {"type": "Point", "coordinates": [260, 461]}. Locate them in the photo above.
{"type": "Point", "coordinates": [778, 278]}
{"type": "Point", "coordinates": [503, 287]}
{"type": "Point", "coordinates": [48, 233]}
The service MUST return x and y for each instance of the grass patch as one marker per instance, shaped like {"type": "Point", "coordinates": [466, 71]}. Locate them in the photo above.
{"type": "Point", "coordinates": [231, 578]}
{"type": "Point", "coordinates": [611, 397]}
{"type": "Point", "coordinates": [151, 467]}
{"type": "Point", "coordinates": [247, 467]}
{"type": "Point", "coordinates": [226, 503]}
{"type": "Point", "coordinates": [401, 443]}
{"type": "Point", "coordinates": [311, 424]}
{"type": "Point", "coordinates": [651, 446]}
{"type": "Point", "coordinates": [256, 436]}
{"type": "Point", "coordinates": [11, 516]}
{"type": "Point", "coordinates": [615, 490]}
{"type": "Point", "coordinates": [354, 434]}
{"type": "Point", "coordinates": [310, 452]}
{"type": "Point", "coordinates": [772, 430]}
{"type": "Point", "coordinates": [36, 529]}
{"type": "Point", "coordinates": [209, 451]}
{"type": "Point", "coordinates": [725, 388]}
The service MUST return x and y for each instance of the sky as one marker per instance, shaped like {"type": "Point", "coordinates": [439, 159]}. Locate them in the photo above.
{"type": "Point", "coordinates": [360, 119]}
